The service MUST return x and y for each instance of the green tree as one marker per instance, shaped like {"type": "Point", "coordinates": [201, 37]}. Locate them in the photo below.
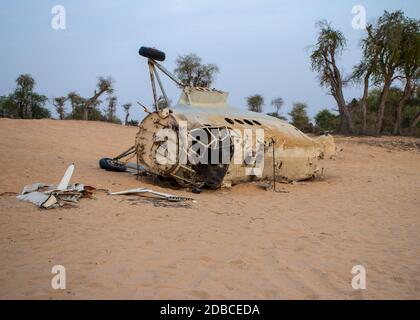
{"type": "Point", "coordinates": [75, 99]}
{"type": "Point", "coordinates": [326, 51]}
{"type": "Point", "coordinates": [59, 104]}
{"type": "Point", "coordinates": [255, 103]}
{"type": "Point", "coordinates": [409, 68]}
{"type": "Point", "coordinates": [278, 116]}
{"type": "Point", "coordinates": [394, 95]}
{"type": "Point", "coordinates": [193, 72]}
{"type": "Point", "coordinates": [23, 95]}
{"type": "Point", "coordinates": [105, 85]}
{"type": "Point", "coordinates": [362, 73]}
{"type": "Point", "coordinates": [24, 102]}
{"type": "Point", "coordinates": [95, 113]}
{"type": "Point", "coordinates": [132, 122]}
{"type": "Point", "coordinates": [111, 108]}
{"type": "Point", "coordinates": [384, 42]}
{"type": "Point", "coordinates": [38, 107]}
{"type": "Point", "coordinates": [8, 107]}
{"type": "Point", "coordinates": [326, 120]}
{"type": "Point", "coordinates": [78, 108]}
{"type": "Point", "coordinates": [411, 114]}
{"type": "Point", "coordinates": [299, 116]}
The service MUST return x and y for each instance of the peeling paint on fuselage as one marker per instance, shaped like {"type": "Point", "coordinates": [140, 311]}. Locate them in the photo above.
{"type": "Point", "coordinates": [297, 156]}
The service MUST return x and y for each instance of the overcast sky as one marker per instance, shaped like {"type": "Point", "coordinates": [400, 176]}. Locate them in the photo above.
{"type": "Point", "coordinates": [260, 46]}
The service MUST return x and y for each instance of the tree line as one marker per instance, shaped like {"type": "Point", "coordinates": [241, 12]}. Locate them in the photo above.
{"type": "Point", "coordinates": [25, 103]}
{"type": "Point", "coordinates": [324, 121]}
{"type": "Point", "coordinates": [390, 55]}
{"type": "Point", "coordinates": [388, 72]}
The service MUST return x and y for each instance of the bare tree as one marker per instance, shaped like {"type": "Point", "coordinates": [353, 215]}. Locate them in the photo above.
{"type": "Point", "coordinates": [127, 107]}
{"type": "Point", "coordinates": [105, 85]}
{"type": "Point", "coordinates": [277, 103]}
{"type": "Point", "coordinates": [328, 48]}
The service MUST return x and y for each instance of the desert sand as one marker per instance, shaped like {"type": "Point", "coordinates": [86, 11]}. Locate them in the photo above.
{"type": "Point", "coordinates": [237, 243]}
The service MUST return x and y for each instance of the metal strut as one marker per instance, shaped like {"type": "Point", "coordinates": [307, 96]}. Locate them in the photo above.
{"type": "Point", "coordinates": [273, 143]}
{"type": "Point", "coordinates": [152, 80]}
{"type": "Point", "coordinates": [169, 74]}
{"type": "Point", "coordinates": [161, 88]}
{"type": "Point", "coordinates": [131, 150]}
{"type": "Point", "coordinates": [154, 74]}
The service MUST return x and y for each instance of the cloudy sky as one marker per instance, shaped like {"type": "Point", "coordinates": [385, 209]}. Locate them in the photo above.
{"type": "Point", "coordinates": [260, 46]}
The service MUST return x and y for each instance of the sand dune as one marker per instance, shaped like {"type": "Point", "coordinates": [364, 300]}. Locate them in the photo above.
{"type": "Point", "coordinates": [238, 243]}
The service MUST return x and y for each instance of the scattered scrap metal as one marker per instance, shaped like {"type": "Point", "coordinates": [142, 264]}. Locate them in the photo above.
{"type": "Point", "coordinates": [161, 195]}
{"type": "Point", "coordinates": [158, 199]}
{"type": "Point", "coordinates": [49, 196]}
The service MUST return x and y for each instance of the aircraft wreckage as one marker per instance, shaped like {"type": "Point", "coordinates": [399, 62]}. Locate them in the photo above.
{"type": "Point", "coordinates": [204, 142]}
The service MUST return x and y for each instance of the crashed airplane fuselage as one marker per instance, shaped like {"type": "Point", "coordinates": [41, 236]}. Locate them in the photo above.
{"type": "Point", "coordinates": [250, 138]}
{"type": "Point", "coordinates": [203, 141]}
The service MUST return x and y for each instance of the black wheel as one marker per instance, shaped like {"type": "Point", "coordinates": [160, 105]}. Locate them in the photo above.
{"type": "Point", "coordinates": [112, 165]}
{"type": "Point", "coordinates": [152, 53]}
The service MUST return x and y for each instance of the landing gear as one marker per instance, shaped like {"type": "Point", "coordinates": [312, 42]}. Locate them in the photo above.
{"type": "Point", "coordinates": [112, 165]}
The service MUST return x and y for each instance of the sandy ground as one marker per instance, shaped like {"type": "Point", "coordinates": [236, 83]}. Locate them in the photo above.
{"type": "Point", "coordinates": [241, 243]}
